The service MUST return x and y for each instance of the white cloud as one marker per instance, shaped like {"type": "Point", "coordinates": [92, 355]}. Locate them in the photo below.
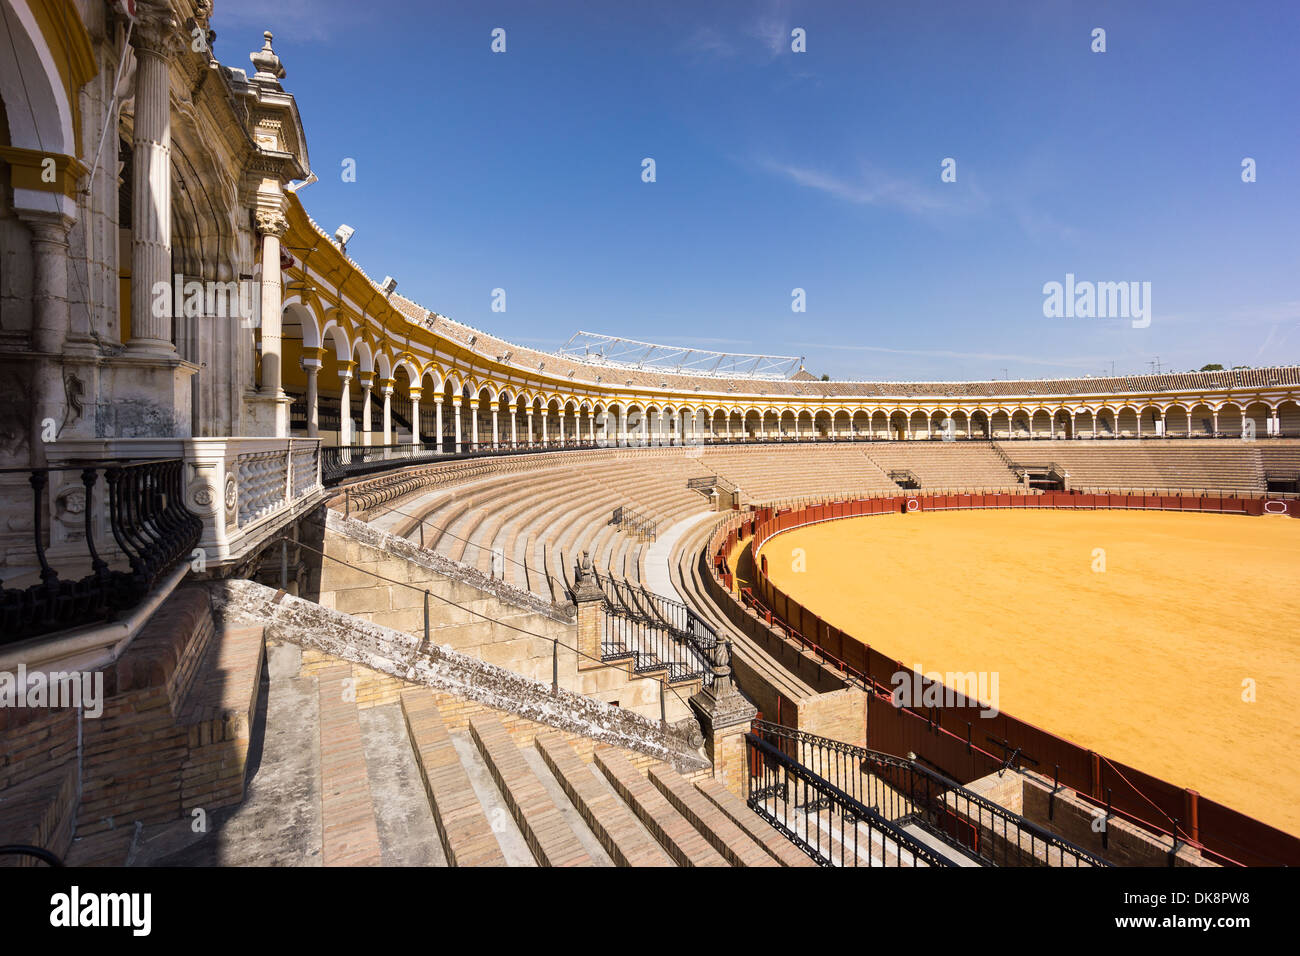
{"type": "Point", "coordinates": [876, 189]}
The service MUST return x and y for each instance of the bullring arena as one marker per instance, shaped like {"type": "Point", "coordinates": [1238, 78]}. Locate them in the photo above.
{"type": "Point", "coordinates": [357, 583]}
{"type": "Point", "coordinates": [1101, 653]}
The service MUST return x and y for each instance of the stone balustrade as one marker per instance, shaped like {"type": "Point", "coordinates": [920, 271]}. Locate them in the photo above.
{"type": "Point", "coordinates": [244, 489]}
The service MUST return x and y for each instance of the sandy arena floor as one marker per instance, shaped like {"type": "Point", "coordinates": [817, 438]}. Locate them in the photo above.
{"type": "Point", "coordinates": [1129, 661]}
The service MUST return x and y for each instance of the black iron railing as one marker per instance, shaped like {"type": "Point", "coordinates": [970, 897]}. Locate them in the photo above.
{"type": "Point", "coordinates": [831, 826]}
{"type": "Point", "coordinates": [905, 791]}
{"type": "Point", "coordinates": [669, 629]}
{"type": "Point", "coordinates": [632, 521]}
{"type": "Point", "coordinates": [150, 525]}
{"type": "Point", "coordinates": [651, 649]}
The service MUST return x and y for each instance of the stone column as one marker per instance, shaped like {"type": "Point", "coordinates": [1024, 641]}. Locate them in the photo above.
{"type": "Point", "coordinates": [473, 424]}
{"type": "Point", "coordinates": [455, 414]}
{"type": "Point", "coordinates": [311, 364]}
{"type": "Point", "coordinates": [529, 413]}
{"type": "Point", "coordinates": [367, 380]}
{"type": "Point", "coordinates": [346, 436]}
{"type": "Point", "coordinates": [514, 428]}
{"type": "Point", "coordinates": [1216, 423]}
{"type": "Point", "coordinates": [546, 438]}
{"type": "Point", "coordinates": [591, 424]}
{"type": "Point", "coordinates": [1277, 424]}
{"type": "Point", "coordinates": [416, 391]}
{"type": "Point", "coordinates": [439, 400]}
{"type": "Point", "coordinates": [496, 434]}
{"type": "Point", "coordinates": [561, 428]}
{"type": "Point", "coordinates": [620, 436]}
{"type": "Point", "coordinates": [386, 390]}
{"type": "Point", "coordinates": [50, 318]}
{"type": "Point", "coordinates": [154, 39]}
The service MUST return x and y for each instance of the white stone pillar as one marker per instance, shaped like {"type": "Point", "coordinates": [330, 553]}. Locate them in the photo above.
{"type": "Point", "coordinates": [438, 401]}
{"type": "Point", "coordinates": [561, 428]}
{"type": "Point", "coordinates": [312, 367]}
{"type": "Point", "coordinates": [546, 438]}
{"type": "Point", "coordinates": [415, 414]}
{"type": "Point", "coordinates": [455, 414]}
{"type": "Point", "coordinates": [386, 390]}
{"type": "Point", "coordinates": [529, 413]}
{"type": "Point", "coordinates": [473, 424]}
{"type": "Point", "coordinates": [367, 384]}
{"type": "Point", "coordinates": [514, 423]}
{"type": "Point", "coordinates": [345, 404]}
{"type": "Point", "coordinates": [496, 440]}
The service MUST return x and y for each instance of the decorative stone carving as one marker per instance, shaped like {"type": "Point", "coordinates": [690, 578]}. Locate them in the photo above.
{"type": "Point", "coordinates": [231, 498]}
{"type": "Point", "coordinates": [203, 496]}
{"type": "Point", "coordinates": [271, 222]}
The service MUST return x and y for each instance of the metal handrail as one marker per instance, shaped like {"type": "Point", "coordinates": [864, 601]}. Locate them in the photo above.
{"type": "Point", "coordinates": [772, 800]}
{"type": "Point", "coordinates": [935, 802]}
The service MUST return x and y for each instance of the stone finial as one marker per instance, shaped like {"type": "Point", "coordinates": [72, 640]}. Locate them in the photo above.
{"type": "Point", "coordinates": [267, 63]}
{"type": "Point", "coordinates": [585, 587]}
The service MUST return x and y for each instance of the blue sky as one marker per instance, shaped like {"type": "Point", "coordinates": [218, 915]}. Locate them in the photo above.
{"type": "Point", "coordinates": [819, 170]}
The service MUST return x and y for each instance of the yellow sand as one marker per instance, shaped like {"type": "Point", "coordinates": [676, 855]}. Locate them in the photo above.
{"type": "Point", "coordinates": [1143, 662]}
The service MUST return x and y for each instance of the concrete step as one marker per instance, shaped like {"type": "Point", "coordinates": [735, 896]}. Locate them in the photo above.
{"type": "Point", "coordinates": [758, 829]}
{"type": "Point", "coordinates": [464, 830]}
{"type": "Point", "coordinates": [550, 837]}
{"type": "Point", "coordinates": [511, 840]}
{"type": "Point", "coordinates": [407, 834]}
{"type": "Point", "coordinates": [350, 835]}
{"type": "Point", "coordinates": [674, 832]}
{"type": "Point", "coordinates": [736, 846]}
{"type": "Point", "coordinates": [621, 835]}
{"type": "Point", "coordinates": [945, 850]}
{"type": "Point", "coordinates": [590, 842]}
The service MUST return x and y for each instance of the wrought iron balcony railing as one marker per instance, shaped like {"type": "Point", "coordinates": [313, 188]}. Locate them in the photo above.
{"type": "Point", "coordinates": [56, 585]}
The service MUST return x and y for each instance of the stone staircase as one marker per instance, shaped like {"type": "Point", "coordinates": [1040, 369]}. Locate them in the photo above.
{"type": "Point", "coordinates": [352, 767]}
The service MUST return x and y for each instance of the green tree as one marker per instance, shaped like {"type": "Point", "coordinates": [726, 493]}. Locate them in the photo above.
{"type": "Point", "coordinates": [1212, 367]}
